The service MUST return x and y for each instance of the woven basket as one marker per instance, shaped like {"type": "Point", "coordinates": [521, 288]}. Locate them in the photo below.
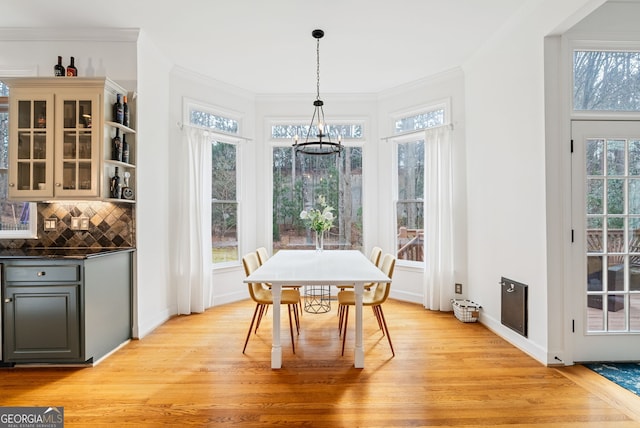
{"type": "Point", "coordinates": [466, 310]}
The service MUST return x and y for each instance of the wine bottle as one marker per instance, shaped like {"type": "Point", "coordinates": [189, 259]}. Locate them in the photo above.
{"type": "Point", "coordinates": [116, 147]}
{"type": "Point", "coordinates": [125, 111]}
{"type": "Point", "coordinates": [118, 111]}
{"type": "Point", "coordinates": [72, 71]}
{"type": "Point", "coordinates": [58, 69]}
{"type": "Point", "coordinates": [125, 149]}
{"type": "Point", "coordinates": [115, 188]}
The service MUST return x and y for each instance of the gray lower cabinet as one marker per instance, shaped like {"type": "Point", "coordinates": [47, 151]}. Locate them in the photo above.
{"type": "Point", "coordinates": [66, 311]}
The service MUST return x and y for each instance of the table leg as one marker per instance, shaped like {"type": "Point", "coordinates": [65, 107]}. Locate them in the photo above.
{"type": "Point", "coordinates": [359, 351]}
{"type": "Point", "coordinates": [276, 347]}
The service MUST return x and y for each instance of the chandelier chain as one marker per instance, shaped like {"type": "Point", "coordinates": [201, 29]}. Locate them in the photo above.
{"type": "Point", "coordinates": [318, 69]}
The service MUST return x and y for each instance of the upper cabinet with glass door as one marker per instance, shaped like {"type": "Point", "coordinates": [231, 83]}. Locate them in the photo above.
{"type": "Point", "coordinates": [31, 144]}
{"type": "Point", "coordinates": [60, 135]}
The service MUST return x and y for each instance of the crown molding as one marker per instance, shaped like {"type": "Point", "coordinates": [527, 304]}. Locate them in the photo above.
{"type": "Point", "coordinates": [70, 34]}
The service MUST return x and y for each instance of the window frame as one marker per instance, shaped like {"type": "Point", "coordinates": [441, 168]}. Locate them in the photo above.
{"type": "Point", "coordinates": [32, 230]}
{"type": "Point", "coordinates": [273, 143]}
{"type": "Point", "coordinates": [596, 45]}
{"type": "Point", "coordinates": [406, 137]}
{"type": "Point", "coordinates": [188, 105]}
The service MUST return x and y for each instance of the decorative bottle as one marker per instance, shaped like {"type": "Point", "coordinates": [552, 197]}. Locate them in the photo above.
{"type": "Point", "coordinates": [125, 111]}
{"type": "Point", "coordinates": [116, 188]}
{"type": "Point", "coordinates": [118, 110]}
{"type": "Point", "coordinates": [116, 147]}
{"type": "Point", "coordinates": [58, 69]}
{"type": "Point", "coordinates": [125, 149]}
{"type": "Point", "coordinates": [72, 71]}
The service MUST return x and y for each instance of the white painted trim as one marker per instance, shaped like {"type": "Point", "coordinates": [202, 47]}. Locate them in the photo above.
{"type": "Point", "coordinates": [70, 34]}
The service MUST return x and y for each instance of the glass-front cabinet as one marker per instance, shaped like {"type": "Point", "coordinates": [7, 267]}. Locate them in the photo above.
{"type": "Point", "coordinates": [31, 160]}
{"type": "Point", "coordinates": [76, 168]}
{"type": "Point", "coordinates": [60, 138]}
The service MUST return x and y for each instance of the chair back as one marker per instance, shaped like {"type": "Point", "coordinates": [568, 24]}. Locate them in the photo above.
{"type": "Point", "coordinates": [263, 255]}
{"type": "Point", "coordinates": [382, 290]}
{"type": "Point", "coordinates": [376, 253]}
{"type": "Point", "coordinates": [251, 262]}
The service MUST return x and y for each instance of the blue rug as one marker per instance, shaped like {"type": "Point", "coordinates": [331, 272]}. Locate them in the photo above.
{"type": "Point", "coordinates": [627, 375]}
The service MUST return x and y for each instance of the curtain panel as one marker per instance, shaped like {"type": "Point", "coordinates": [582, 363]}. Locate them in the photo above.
{"type": "Point", "coordinates": [192, 240]}
{"type": "Point", "coordinates": [439, 263]}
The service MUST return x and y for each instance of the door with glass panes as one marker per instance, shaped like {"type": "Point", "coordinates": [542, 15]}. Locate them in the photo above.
{"type": "Point", "coordinates": [605, 288]}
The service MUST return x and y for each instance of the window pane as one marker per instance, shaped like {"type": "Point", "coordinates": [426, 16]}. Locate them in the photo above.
{"type": "Point", "coordinates": [224, 236]}
{"type": "Point", "coordinates": [224, 176]}
{"type": "Point", "coordinates": [347, 132]}
{"type": "Point", "coordinates": [209, 120]}
{"type": "Point", "coordinates": [224, 206]}
{"type": "Point", "coordinates": [299, 180]}
{"type": "Point", "coordinates": [410, 205]}
{"type": "Point", "coordinates": [606, 81]}
{"type": "Point", "coordinates": [420, 121]}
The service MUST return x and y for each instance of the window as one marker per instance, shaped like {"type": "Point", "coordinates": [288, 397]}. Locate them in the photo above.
{"type": "Point", "coordinates": [17, 219]}
{"type": "Point", "coordinates": [410, 176]}
{"type": "Point", "coordinates": [299, 180]}
{"type": "Point", "coordinates": [224, 203]}
{"type": "Point", "coordinates": [224, 179]}
{"type": "Point", "coordinates": [606, 81]}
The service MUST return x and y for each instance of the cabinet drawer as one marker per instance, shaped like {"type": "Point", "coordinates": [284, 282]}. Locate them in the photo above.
{"type": "Point", "coordinates": [42, 273]}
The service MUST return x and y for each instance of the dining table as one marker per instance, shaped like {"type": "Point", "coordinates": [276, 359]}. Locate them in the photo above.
{"type": "Point", "coordinates": [313, 267]}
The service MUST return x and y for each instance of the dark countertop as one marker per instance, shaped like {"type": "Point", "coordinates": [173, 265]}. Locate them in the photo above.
{"type": "Point", "coordinates": [59, 253]}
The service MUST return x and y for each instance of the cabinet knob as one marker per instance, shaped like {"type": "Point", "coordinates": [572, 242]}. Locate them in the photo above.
{"type": "Point", "coordinates": [58, 184]}
{"type": "Point", "coordinates": [8, 300]}
{"type": "Point", "coordinates": [12, 185]}
{"type": "Point", "coordinates": [42, 273]}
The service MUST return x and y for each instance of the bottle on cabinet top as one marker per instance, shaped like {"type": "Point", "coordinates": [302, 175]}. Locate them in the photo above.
{"type": "Point", "coordinates": [125, 111]}
{"type": "Point", "coordinates": [72, 71]}
{"type": "Point", "coordinates": [58, 69]}
{"type": "Point", "coordinates": [118, 110]}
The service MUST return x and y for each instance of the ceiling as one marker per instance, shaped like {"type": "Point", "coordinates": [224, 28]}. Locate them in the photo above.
{"type": "Point", "coordinates": [266, 46]}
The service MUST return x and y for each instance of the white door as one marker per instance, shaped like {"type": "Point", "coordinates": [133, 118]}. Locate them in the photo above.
{"type": "Point", "coordinates": [606, 240]}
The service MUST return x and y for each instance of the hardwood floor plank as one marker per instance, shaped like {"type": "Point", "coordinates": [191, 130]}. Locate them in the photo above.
{"type": "Point", "coordinates": [191, 372]}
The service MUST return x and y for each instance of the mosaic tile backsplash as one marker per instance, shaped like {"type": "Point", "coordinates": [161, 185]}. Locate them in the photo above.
{"type": "Point", "coordinates": [110, 226]}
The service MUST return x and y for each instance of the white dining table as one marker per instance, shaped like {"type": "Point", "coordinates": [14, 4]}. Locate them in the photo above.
{"type": "Point", "coordinates": [310, 267]}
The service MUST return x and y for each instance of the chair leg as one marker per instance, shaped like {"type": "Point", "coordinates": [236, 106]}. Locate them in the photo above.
{"type": "Point", "coordinates": [263, 311]}
{"type": "Point", "coordinates": [251, 327]}
{"type": "Point", "coordinates": [297, 318]}
{"type": "Point", "coordinates": [386, 329]}
{"type": "Point", "coordinates": [293, 345]}
{"type": "Point", "coordinates": [375, 312]}
{"type": "Point", "coordinates": [344, 332]}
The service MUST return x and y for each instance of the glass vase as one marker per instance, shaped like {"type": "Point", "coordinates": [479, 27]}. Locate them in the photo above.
{"type": "Point", "coordinates": [319, 240]}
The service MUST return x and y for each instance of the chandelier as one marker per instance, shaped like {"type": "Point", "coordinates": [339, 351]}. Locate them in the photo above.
{"type": "Point", "coordinates": [321, 144]}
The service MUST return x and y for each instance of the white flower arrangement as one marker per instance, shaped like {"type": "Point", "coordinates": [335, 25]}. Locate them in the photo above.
{"type": "Point", "coordinates": [319, 220]}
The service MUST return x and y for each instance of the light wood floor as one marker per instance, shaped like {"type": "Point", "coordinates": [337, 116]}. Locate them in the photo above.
{"type": "Point", "coordinates": [191, 372]}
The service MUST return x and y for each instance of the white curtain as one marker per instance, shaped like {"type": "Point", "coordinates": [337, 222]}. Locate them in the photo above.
{"type": "Point", "coordinates": [192, 240]}
{"type": "Point", "coordinates": [438, 247]}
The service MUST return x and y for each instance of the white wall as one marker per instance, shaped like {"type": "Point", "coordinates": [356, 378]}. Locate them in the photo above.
{"type": "Point", "coordinates": [506, 157]}
{"type": "Point", "coordinates": [156, 300]}
{"type": "Point", "coordinates": [113, 56]}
